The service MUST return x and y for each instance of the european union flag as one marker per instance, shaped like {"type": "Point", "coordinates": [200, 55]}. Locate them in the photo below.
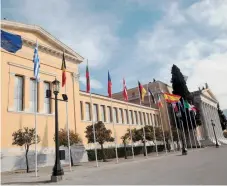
{"type": "Point", "coordinates": [10, 42]}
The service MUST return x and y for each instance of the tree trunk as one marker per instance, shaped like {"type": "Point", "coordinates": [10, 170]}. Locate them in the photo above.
{"type": "Point", "coordinates": [103, 155]}
{"type": "Point", "coordinates": [71, 158]}
{"type": "Point", "coordinates": [125, 150]}
{"type": "Point", "coordinates": [144, 148]}
{"type": "Point", "coordinates": [26, 157]}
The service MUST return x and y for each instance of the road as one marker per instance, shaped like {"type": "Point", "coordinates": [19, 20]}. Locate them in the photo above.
{"type": "Point", "coordinates": [200, 167]}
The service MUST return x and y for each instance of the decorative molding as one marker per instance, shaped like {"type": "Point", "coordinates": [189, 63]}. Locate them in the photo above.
{"type": "Point", "coordinates": [29, 112]}
{"type": "Point", "coordinates": [29, 68]}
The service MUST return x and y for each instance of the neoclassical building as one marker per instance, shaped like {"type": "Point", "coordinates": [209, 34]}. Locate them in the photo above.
{"type": "Point", "coordinates": [206, 102]}
{"type": "Point", "coordinates": [18, 103]}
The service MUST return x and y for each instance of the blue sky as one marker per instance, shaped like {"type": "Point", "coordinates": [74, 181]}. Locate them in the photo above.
{"type": "Point", "coordinates": [137, 39]}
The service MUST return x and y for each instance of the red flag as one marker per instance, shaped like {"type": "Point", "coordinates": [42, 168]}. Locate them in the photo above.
{"type": "Point", "coordinates": [87, 79]}
{"type": "Point", "coordinates": [109, 85]}
{"type": "Point", "coordinates": [63, 68]}
{"type": "Point", "coordinates": [125, 94]}
{"type": "Point", "coordinates": [175, 108]}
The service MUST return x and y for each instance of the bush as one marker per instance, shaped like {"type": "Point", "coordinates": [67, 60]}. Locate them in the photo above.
{"type": "Point", "coordinates": [225, 133]}
{"type": "Point", "coordinates": [110, 152]}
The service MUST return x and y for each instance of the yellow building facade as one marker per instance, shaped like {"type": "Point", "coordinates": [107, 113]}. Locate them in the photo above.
{"type": "Point", "coordinates": [18, 106]}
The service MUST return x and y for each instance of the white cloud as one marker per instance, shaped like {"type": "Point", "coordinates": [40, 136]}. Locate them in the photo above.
{"type": "Point", "coordinates": [89, 33]}
{"type": "Point", "coordinates": [95, 84]}
{"type": "Point", "coordinates": [193, 38]}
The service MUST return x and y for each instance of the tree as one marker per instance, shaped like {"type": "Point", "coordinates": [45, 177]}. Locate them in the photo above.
{"type": "Point", "coordinates": [222, 118]}
{"type": "Point", "coordinates": [102, 135]}
{"type": "Point", "coordinates": [63, 139]}
{"type": "Point", "coordinates": [149, 135]}
{"type": "Point", "coordinates": [125, 138]}
{"type": "Point", "coordinates": [25, 138]}
{"type": "Point", "coordinates": [179, 84]}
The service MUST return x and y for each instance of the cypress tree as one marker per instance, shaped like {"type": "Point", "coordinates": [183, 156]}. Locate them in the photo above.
{"type": "Point", "coordinates": [179, 84]}
{"type": "Point", "coordinates": [222, 118]}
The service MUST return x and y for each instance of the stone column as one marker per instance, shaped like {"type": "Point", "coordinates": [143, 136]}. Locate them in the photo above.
{"type": "Point", "coordinates": [208, 122]}
{"type": "Point", "coordinates": [218, 123]}
{"type": "Point", "coordinates": [204, 127]}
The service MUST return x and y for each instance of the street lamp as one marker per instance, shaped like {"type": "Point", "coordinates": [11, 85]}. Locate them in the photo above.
{"type": "Point", "coordinates": [57, 169]}
{"type": "Point", "coordinates": [212, 123]}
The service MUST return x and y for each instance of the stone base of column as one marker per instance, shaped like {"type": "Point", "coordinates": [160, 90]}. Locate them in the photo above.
{"type": "Point", "coordinates": [56, 178]}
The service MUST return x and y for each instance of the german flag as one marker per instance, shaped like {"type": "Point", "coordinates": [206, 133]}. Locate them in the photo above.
{"type": "Point", "coordinates": [63, 68]}
{"type": "Point", "coordinates": [142, 91]}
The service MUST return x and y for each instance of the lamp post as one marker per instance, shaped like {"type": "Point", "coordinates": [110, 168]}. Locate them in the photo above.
{"type": "Point", "coordinates": [212, 123]}
{"type": "Point", "coordinates": [57, 169]}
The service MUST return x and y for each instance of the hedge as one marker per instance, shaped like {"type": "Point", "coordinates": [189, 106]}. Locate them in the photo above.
{"type": "Point", "coordinates": [110, 152]}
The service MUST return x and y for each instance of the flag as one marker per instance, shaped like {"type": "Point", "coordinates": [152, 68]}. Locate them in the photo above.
{"type": "Point", "coordinates": [36, 62]}
{"type": "Point", "coordinates": [175, 108]}
{"type": "Point", "coordinates": [109, 85]}
{"type": "Point", "coordinates": [186, 104]}
{"type": "Point", "coordinates": [142, 91]}
{"type": "Point", "coordinates": [159, 101]}
{"type": "Point", "coordinates": [125, 94]}
{"type": "Point", "coordinates": [87, 79]}
{"type": "Point", "coordinates": [10, 42]}
{"type": "Point", "coordinates": [171, 98]}
{"type": "Point", "coordinates": [152, 95]}
{"type": "Point", "coordinates": [63, 68]}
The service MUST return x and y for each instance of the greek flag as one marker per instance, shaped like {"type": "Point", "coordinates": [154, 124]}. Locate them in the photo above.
{"type": "Point", "coordinates": [36, 62]}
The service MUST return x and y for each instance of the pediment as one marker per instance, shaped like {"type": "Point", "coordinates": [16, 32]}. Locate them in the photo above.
{"type": "Point", "coordinates": [209, 94]}
{"type": "Point", "coordinates": [44, 38]}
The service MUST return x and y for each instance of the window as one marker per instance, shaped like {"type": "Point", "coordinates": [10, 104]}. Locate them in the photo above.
{"type": "Point", "coordinates": [126, 116]}
{"type": "Point", "coordinates": [87, 110]}
{"type": "Point", "coordinates": [140, 118]}
{"type": "Point", "coordinates": [18, 93]}
{"type": "Point", "coordinates": [103, 113]}
{"type": "Point", "coordinates": [144, 118]}
{"type": "Point", "coordinates": [131, 117]}
{"type": "Point", "coordinates": [121, 116]}
{"type": "Point", "coordinates": [136, 118]}
{"type": "Point", "coordinates": [133, 94]}
{"type": "Point", "coordinates": [148, 119]}
{"type": "Point", "coordinates": [33, 93]}
{"type": "Point", "coordinates": [95, 112]}
{"type": "Point", "coordinates": [81, 110]}
{"type": "Point", "coordinates": [47, 107]}
{"type": "Point", "coordinates": [109, 118]}
{"type": "Point", "coordinates": [115, 119]}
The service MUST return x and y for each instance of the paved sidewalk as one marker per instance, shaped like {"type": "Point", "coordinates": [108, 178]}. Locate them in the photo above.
{"type": "Point", "coordinates": [105, 171]}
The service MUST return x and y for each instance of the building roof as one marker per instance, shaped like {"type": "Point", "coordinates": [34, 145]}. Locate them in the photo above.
{"type": "Point", "coordinates": [5, 24]}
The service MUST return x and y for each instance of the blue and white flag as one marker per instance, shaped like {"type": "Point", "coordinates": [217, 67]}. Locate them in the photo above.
{"type": "Point", "coordinates": [36, 62]}
{"type": "Point", "coordinates": [10, 42]}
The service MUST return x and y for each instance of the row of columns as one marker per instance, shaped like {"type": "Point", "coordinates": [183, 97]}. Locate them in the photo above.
{"type": "Point", "coordinates": [210, 113]}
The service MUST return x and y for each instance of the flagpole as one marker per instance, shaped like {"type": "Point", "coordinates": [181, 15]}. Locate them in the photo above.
{"type": "Point", "coordinates": [130, 130]}
{"type": "Point", "coordinates": [178, 136]}
{"type": "Point", "coordinates": [171, 134]}
{"type": "Point", "coordinates": [115, 136]}
{"type": "Point", "coordinates": [192, 129]}
{"type": "Point", "coordinates": [154, 135]}
{"type": "Point", "coordinates": [92, 121]}
{"type": "Point", "coordinates": [144, 135]}
{"type": "Point", "coordinates": [67, 123]}
{"type": "Point", "coordinates": [183, 130]}
{"type": "Point", "coordinates": [163, 133]}
{"type": "Point", "coordinates": [187, 124]}
{"type": "Point", "coordinates": [196, 130]}
{"type": "Point", "coordinates": [36, 162]}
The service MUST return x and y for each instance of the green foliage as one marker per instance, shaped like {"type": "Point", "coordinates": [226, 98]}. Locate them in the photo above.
{"type": "Point", "coordinates": [25, 138]}
{"type": "Point", "coordinates": [222, 118]}
{"type": "Point", "coordinates": [102, 134]}
{"type": "Point", "coordinates": [126, 137]}
{"type": "Point", "coordinates": [198, 118]}
{"type": "Point", "coordinates": [63, 137]}
{"type": "Point", "coordinates": [179, 84]}
{"type": "Point", "coordinates": [110, 152]}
